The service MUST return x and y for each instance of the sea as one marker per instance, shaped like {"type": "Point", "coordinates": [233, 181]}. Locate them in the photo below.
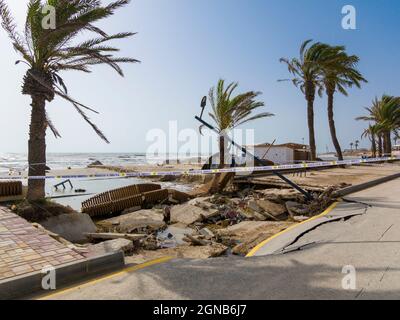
{"type": "Point", "coordinates": [17, 162]}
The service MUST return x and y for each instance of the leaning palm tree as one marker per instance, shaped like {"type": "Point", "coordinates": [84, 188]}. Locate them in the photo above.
{"type": "Point", "coordinates": [306, 73]}
{"type": "Point", "coordinates": [49, 51]}
{"type": "Point", "coordinates": [230, 111]}
{"type": "Point", "coordinates": [337, 77]}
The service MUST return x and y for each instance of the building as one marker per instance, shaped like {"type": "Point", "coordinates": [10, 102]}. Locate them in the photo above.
{"type": "Point", "coordinates": [282, 153]}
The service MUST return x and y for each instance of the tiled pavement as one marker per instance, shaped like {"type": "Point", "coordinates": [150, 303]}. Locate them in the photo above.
{"type": "Point", "coordinates": [25, 249]}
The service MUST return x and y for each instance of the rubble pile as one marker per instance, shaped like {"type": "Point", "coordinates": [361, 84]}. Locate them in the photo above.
{"type": "Point", "coordinates": [229, 223]}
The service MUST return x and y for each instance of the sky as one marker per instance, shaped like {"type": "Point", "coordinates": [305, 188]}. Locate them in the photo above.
{"type": "Point", "coordinates": [185, 46]}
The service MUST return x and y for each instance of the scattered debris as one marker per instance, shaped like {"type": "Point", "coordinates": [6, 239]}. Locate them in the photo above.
{"type": "Point", "coordinates": [109, 246]}
{"type": "Point", "coordinates": [246, 235]}
{"type": "Point", "coordinates": [134, 221]}
{"type": "Point", "coordinates": [188, 213]}
{"type": "Point", "coordinates": [111, 236]}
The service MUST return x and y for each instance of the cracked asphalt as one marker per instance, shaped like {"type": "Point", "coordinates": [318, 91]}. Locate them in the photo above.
{"type": "Point", "coordinates": [313, 267]}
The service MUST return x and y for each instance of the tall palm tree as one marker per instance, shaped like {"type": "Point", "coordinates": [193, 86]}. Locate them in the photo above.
{"type": "Point", "coordinates": [230, 111]}
{"type": "Point", "coordinates": [47, 52]}
{"type": "Point", "coordinates": [356, 144]}
{"type": "Point", "coordinates": [372, 133]}
{"type": "Point", "coordinates": [306, 71]}
{"type": "Point", "coordinates": [351, 146]}
{"type": "Point", "coordinates": [385, 113]}
{"type": "Point", "coordinates": [337, 77]}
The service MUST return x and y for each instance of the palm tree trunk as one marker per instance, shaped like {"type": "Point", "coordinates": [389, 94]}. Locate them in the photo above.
{"type": "Point", "coordinates": [388, 143]}
{"type": "Point", "coordinates": [380, 145]}
{"type": "Point", "coordinates": [221, 151]}
{"type": "Point", "coordinates": [310, 97]}
{"type": "Point", "coordinates": [332, 128]}
{"type": "Point", "coordinates": [37, 149]}
{"type": "Point", "coordinates": [373, 146]}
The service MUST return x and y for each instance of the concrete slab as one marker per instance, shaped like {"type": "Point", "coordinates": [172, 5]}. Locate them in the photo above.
{"type": "Point", "coordinates": [278, 243]}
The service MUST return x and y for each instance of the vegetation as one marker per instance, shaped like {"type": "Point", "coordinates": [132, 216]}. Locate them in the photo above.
{"type": "Point", "coordinates": [323, 67]}
{"type": "Point", "coordinates": [306, 71]}
{"type": "Point", "coordinates": [47, 53]}
{"type": "Point", "coordinates": [337, 77]}
{"type": "Point", "coordinates": [230, 111]}
{"type": "Point", "coordinates": [384, 114]}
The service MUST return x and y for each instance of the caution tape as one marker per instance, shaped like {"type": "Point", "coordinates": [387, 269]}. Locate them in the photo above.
{"type": "Point", "coordinates": [309, 165]}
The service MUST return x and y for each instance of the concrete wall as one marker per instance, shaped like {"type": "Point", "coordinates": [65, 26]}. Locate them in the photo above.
{"type": "Point", "coordinates": [279, 155]}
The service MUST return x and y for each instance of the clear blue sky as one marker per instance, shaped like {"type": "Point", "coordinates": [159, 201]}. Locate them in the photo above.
{"type": "Point", "coordinates": [185, 46]}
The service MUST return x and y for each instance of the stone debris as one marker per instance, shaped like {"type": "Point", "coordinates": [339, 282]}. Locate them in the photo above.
{"type": "Point", "coordinates": [181, 252]}
{"type": "Point", "coordinates": [111, 246]}
{"type": "Point", "coordinates": [189, 214]}
{"type": "Point", "coordinates": [207, 226]}
{"type": "Point", "coordinates": [111, 236]}
{"type": "Point", "coordinates": [248, 234]}
{"type": "Point", "coordinates": [134, 221]}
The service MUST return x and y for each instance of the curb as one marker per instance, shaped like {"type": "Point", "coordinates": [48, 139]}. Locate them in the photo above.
{"type": "Point", "coordinates": [24, 285]}
{"type": "Point", "coordinates": [359, 187]}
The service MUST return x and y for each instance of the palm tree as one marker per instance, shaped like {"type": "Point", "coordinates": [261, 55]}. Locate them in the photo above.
{"type": "Point", "coordinates": [47, 52]}
{"type": "Point", "coordinates": [385, 114]}
{"type": "Point", "coordinates": [338, 76]}
{"type": "Point", "coordinates": [351, 146]}
{"type": "Point", "coordinates": [229, 111]}
{"type": "Point", "coordinates": [356, 144]}
{"type": "Point", "coordinates": [372, 132]}
{"type": "Point", "coordinates": [306, 73]}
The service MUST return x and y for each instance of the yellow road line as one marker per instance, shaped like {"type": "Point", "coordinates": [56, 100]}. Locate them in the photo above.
{"type": "Point", "coordinates": [109, 276]}
{"type": "Point", "coordinates": [262, 244]}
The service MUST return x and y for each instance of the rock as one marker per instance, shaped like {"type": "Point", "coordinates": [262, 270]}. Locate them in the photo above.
{"type": "Point", "coordinates": [271, 207]}
{"type": "Point", "coordinates": [207, 233]}
{"type": "Point", "coordinates": [257, 211]}
{"type": "Point", "coordinates": [112, 236]}
{"type": "Point", "coordinates": [252, 215]}
{"type": "Point", "coordinates": [201, 202]}
{"type": "Point", "coordinates": [178, 196]}
{"type": "Point", "coordinates": [295, 208]}
{"type": "Point", "coordinates": [95, 163]}
{"type": "Point", "coordinates": [70, 226]}
{"type": "Point", "coordinates": [281, 195]}
{"type": "Point", "coordinates": [173, 235]}
{"type": "Point", "coordinates": [111, 246]}
{"type": "Point", "coordinates": [127, 223]}
{"type": "Point", "coordinates": [250, 233]}
{"type": "Point", "coordinates": [189, 214]}
{"type": "Point", "coordinates": [300, 218]}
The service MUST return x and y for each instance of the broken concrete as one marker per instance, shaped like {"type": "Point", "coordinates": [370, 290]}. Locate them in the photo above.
{"type": "Point", "coordinates": [127, 223]}
{"type": "Point", "coordinates": [281, 195]}
{"type": "Point", "coordinates": [250, 233]}
{"type": "Point", "coordinates": [189, 214]}
{"type": "Point", "coordinates": [111, 246]}
{"type": "Point", "coordinates": [272, 208]}
{"type": "Point", "coordinates": [111, 236]}
{"type": "Point", "coordinates": [183, 252]}
{"type": "Point", "coordinates": [70, 226]}
{"type": "Point", "coordinates": [173, 235]}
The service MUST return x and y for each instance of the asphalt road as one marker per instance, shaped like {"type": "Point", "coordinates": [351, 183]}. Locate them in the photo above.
{"type": "Point", "coordinates": [311, 268]}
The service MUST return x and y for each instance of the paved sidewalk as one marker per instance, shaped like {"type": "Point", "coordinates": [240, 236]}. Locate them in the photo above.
{"type": "Point", "coordinates": [25, 249]}
{"type": "Point", "coordinates": [369, 242]}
